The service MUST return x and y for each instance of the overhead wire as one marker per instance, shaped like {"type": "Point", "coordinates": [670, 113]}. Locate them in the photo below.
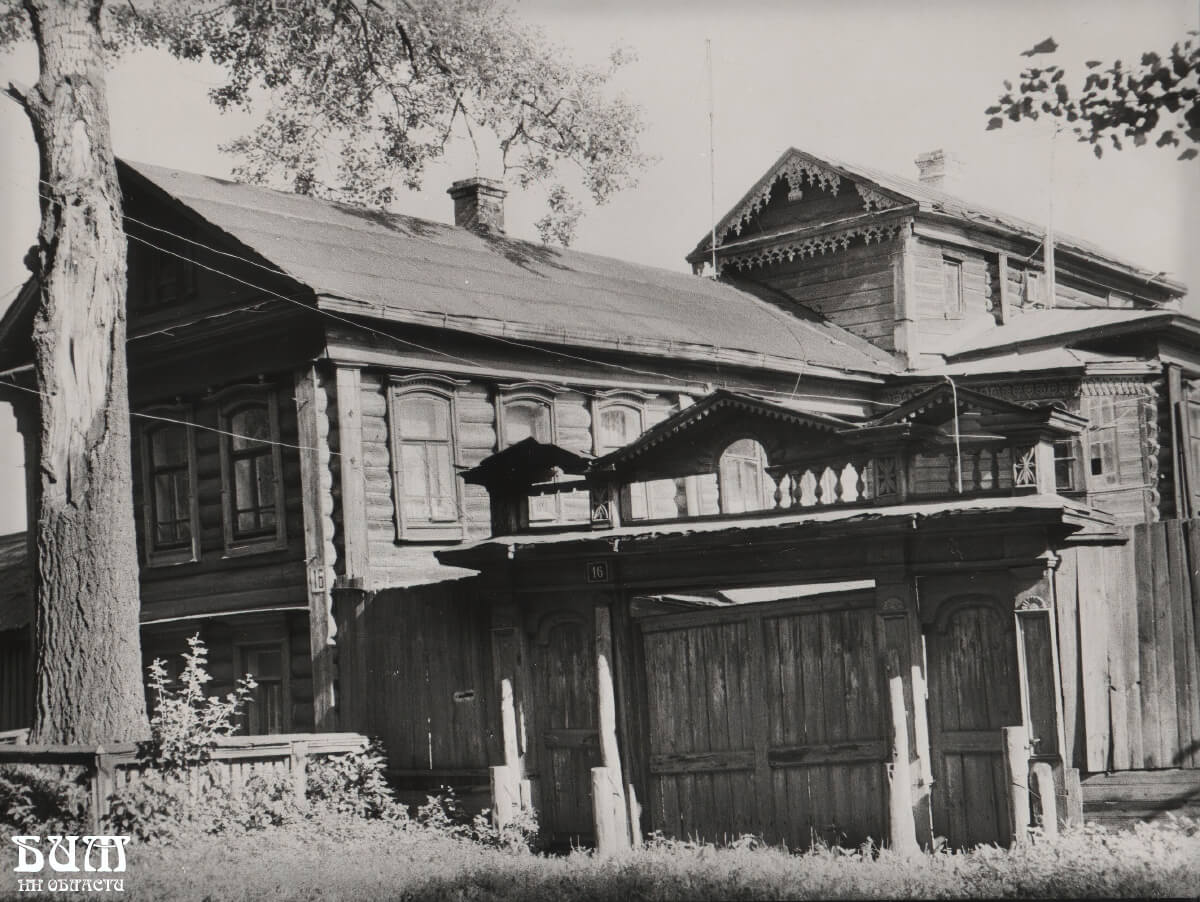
{"type": "Point", "coordinates": [504, 340]}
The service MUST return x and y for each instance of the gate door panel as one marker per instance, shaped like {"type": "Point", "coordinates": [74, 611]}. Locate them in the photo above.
{"type": "Point", "coordinates": [973, 692]}
{"type": "Point", "coordinates": [767, 719]}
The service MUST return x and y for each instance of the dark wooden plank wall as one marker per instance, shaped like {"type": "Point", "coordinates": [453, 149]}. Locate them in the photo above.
{"type": "Point", "coordinates": [1068, 293]}
{"type": "Point", "coordinates": [16, 679]}
{"type": "Point", "coordinates": [216, 583]}
{"type": "Point", "coordinates": [422, 679]}
{"type": "Point", "coordinates": [769, 719]}
{"type": "Point", "coordinates": [814, 206]}
{"type": "Point", "coordinates": [853, 288]}
{"type": "Point", "coordinates": [1123, 799]}
{"type": "Point", "coordinates": [1130, 650]}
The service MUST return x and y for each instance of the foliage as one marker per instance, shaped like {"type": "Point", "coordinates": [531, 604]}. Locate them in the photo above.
{"type": "Point", "coordinates": [186, 722]}
{"type": "Point", "coordinates": [381, 87]}
{"type": "Point", "coordinates": [378, 860]}
{"type": "Point", "coordinates": [443, 815]}
{"type": "Point", "coordinates": [40, 801]}
{"type": "Point", "coordinates": [1159, 96]}
{"type": "Point", "coordinates": [354, 784]}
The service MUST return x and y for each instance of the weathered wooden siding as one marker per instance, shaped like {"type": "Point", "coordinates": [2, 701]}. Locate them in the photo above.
{"type": "Point", "coordinates": [416, 671]}
{"type": "Point", "coordinates": [1127, 798]}
{"type": "Point", "coordinates": [853, 288]}
{"type": "Point", "coordinates": [218, 583]}
{"type": "Point", "coordinates": [16, 679]}
{"type": "Point", "coordinates": [800, 762]}
{"type": "Point", "coordinates": [980, 293]}
{"type": "Point", "coordinates": [1129, 649]}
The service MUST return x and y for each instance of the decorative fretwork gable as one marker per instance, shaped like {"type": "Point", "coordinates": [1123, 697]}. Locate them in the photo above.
{"type": "Point", "coordinates": [801, 173]}
{"type": "Point", "coordinates": [810, 246]}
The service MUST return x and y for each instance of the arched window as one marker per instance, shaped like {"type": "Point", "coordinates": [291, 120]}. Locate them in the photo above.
{"type": "Point", "coordinates": [525, 417]}
{"type": "Point", "coordinates": [744, 484]}
{"type": "Point", "coordinates": [618, 425]}
{"type": "Point", "coordinates": [170, 511]}
{"type": "Point", "coordinates": [251, 474]}
{"type": "Point", "coordinates": [426, 484]}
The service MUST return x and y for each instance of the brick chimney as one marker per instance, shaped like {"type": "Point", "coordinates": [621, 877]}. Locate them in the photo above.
{"type": "Point", "coordinates": [941, 170]}
{"type": "Point", "coordinates": [479, 204]}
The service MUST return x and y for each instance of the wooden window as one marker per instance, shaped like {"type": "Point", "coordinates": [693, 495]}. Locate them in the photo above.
{"type": "Point", "coordinates": [1104, 465]}
{"type": "Point", "coordinates": [170, 513]}
{"type": "Point", "coordinates": [161, 278]}
{"type": "Point", "coordinates": [744, 484]}
{"type": "Point", "coordinates": [252, 474]}
{"type": "Point", "coordinates": [1033, 288]}
{"type": "Point", "coordinates": [531, 413]}
{"type": "Point", "coordinates": [424, 454]}
{"type": "Point", "coordinates": [952, 292]}
{"type": "Point", "coordinates": [269, 708]}
{"type": "Point", "coordinates": [1066, 465]}
{"type": "Point", "coordinates": [617, 425]}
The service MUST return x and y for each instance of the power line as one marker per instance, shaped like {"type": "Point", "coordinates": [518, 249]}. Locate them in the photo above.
{"type": "Point", "coordinates": [333, 316]}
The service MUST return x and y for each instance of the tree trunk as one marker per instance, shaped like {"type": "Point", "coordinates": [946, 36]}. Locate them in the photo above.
{"type": "Point", "coordinates": [87, 647]}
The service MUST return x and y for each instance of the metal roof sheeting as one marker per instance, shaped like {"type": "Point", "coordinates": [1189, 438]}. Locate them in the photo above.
{"type": "Point", "coordinates": [389, 263]}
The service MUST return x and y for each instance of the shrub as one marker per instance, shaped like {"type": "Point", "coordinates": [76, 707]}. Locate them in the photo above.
{"type": "Point", "coordinates": [42, 800]}
{"type": "Point", "coordinates": [186, 722]}
{"type": "Point", "coordinates": [354, 784]}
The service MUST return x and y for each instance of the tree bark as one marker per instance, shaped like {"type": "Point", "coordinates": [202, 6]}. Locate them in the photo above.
{"type": "Point", "coordinates": [87, 644]}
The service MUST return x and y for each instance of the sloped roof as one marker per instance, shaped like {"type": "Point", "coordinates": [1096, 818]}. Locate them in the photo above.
{"type": "Point", "coordinates": [1060, 326]}
{"type": "Point", "coordinates": [401, 268]}
{"type": "Point", "coordinates": [933, 200]}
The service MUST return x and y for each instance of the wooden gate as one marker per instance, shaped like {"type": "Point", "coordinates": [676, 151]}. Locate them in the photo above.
{"type": "Point", "coordinates": [767, 719]}
{"type": "Point", "coordinates": [563, 671]}
{"type": "Point", "coordinates": [973, 692]}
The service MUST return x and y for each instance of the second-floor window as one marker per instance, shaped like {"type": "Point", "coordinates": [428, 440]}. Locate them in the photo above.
{"type": "Point", "coordinates": [251, 474]}
{"type": "Point", "coordinates": [427, 493]}
{"type": "Point", "coordinates": [744, 484]}
{"type": "Point", "coordinates": [530, 415]}
{"type": "Point", "coordinates": [617, 426]}
{"type": "Point", "coordinates": [952, 292]}
{"type": "Point", "coordinates": [1103, 447]}
{"type": "Point", "coordinates": [169, 490]}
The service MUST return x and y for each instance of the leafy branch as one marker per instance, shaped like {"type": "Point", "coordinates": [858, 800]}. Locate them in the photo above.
{"type": "Point", "coordinates": [1159, 99]}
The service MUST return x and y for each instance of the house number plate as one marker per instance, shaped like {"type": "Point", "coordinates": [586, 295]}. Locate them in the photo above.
{"type": "Point", "coordinates": [597, 572]}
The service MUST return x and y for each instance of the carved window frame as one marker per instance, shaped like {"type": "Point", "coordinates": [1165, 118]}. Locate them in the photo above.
{"type": "Point", "coordinates": [230, 402]}
{"type": "Point", "coordinates": [153, 555]}
{"type": "Point", "coordinates": [766, 490]}
{"type": "Point", "coordinates": [638, 493]}
{"type": "Point", "coordinates": [444, 389]}
{"type": "Point", "coordinates": [953, 307]}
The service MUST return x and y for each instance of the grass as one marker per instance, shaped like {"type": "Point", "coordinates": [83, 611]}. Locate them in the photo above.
{"type": "Point", "coordinates": [340, 858]}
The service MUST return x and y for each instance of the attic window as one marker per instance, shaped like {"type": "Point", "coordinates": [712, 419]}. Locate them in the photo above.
{"type": "Point", "coordinates": [1033, 288]}
{"type": "Point", "coordinates": [952, 293]}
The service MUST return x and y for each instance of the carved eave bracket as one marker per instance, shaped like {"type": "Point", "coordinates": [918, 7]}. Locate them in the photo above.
{"type": "Point", "coordinates": [829, 242]}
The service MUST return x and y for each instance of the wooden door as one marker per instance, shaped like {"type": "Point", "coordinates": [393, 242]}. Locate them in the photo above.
{"type": "Point", "coordinates": [973, 692]}
{"type": "Point", "coordinates": [563, 674]}
{"type": "Point", "coordinates": [767, 719]}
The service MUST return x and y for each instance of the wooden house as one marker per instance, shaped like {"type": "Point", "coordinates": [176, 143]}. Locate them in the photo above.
{"type": "Point", "coordinates": [460, 491]}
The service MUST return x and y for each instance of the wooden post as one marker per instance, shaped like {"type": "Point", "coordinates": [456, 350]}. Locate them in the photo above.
{"type": "Point", "coordinates": [611, 814]}
{"type": "Point", "coordinates": [299, 770]}
{"type": "Point", "coordinates": [101, 785]}
{"type": "Point", "coordinates": [900, 799]}
{"type": "Point", "coordinates": [1016, 769]}
{"type": "Point", "coordinates": [1043, 781]}
{"type": "Point", "coordinates": [635, 816]}
{"type": "Point", "coordinates": [506, 779]}
{"type": "Point", "coordinates": [316, 485]}
{"type": "Point", "coordinates": [1005, 292]}
{"type": "Point", "coordinates": [353, 486]}
{"type": "Point", "coordinates": [1074, 796]}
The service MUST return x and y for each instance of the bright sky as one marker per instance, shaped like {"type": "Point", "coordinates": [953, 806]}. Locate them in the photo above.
{"type": "Point", "coordinates": [873, 82]}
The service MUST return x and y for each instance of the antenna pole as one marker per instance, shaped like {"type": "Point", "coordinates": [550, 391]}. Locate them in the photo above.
{"type": "Point", "coordinates": [1051, 286]}
{"type": "Point", "coordinates": [712, 163]}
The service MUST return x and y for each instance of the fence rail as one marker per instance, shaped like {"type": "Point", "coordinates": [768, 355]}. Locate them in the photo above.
{"type": "Point", "coordinates": [109, 769]}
